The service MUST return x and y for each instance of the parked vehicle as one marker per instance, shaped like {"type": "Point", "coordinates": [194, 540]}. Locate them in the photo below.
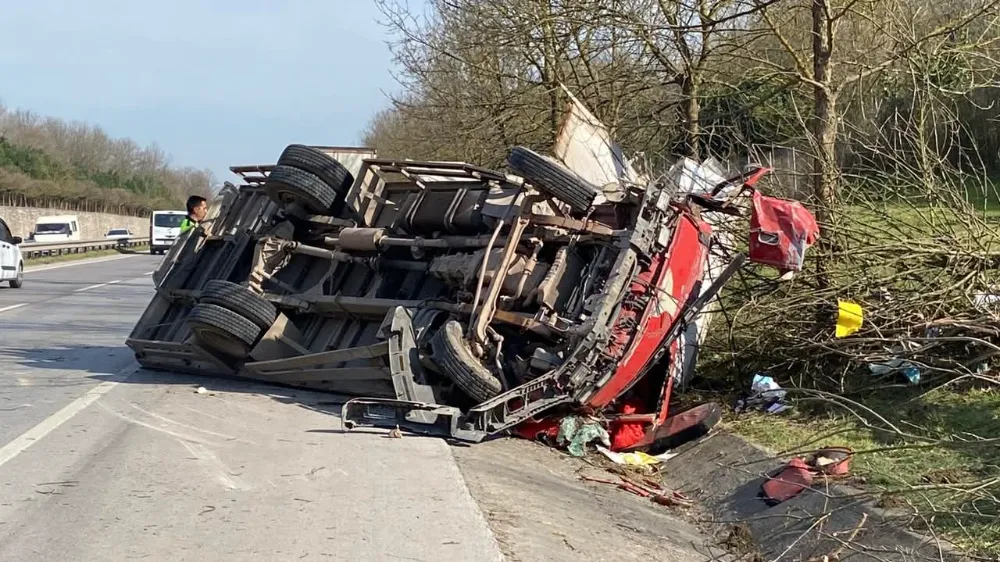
{"type": "Point", "coordinates": [164, 228]}
{"type": "Point", "coordinates": [450, 298]}
{"type": "Point", "coordinates": [11, 262]}
{"type": "Point", "coordinates": [60, 228]}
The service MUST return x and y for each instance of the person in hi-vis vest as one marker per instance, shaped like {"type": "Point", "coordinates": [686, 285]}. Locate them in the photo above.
{"type": "Point", "coordinates": [197, 208]}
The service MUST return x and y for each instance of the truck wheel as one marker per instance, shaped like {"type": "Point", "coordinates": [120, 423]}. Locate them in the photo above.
{"type": "Point", "coordinates": [552, 177]}
{"type": "Point", "coordinates": [223, 330]}
{"type": "Point", "coordinates": [457, 362]}
{"type": "Point", "coordinates": [287, 185]}
{"type": "Point", "coordinates": [241, 300]}
{"type": "Point", "coordinates": [18, 280]}
{"type": "Point", "coordinates": [319, 164]}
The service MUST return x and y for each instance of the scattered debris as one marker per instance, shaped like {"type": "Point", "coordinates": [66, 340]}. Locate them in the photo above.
{"type": "Point", "coordinates": [793, 478]}
{"type": "Point", "coordinates": [897, 365]}
{"type": "Point", "coordinates": [849, 318]}
{"type": "Point", "coordinates": [575, 433]}
{"type": "Point", "coordinates": [625, 433]}
{"type": "Point", "coordinates": [396, 433]}
{"type": "Point", "coordinates": [765, 395]}
{"type": "Point", "coordinates": [637, 458]}
{"type": "Point", "coordinates": [678, 429]}
{"type": "Point", "coordinates": [647, 489]}
{"type": "Point", "coordinates": [780, 232]}
{"type": "Point", "coordinates": [832, 461]}
{"type": "Point", "coordinates": [799, 473]}
{"type": "Point", "coordinates": [202, 390]}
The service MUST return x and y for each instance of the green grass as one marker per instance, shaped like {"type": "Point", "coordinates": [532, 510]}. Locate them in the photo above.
{"type": "Point", "coordinates": [935, 480]}
{"type": "Point", "coordinates": [916, 471]}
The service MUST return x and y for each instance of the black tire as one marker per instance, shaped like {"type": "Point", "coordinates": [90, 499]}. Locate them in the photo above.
{"type": "Point", "coordinates": [241, 300]}
{"type": "Point", "coordinates": [291, 185]}
{"type": "Point", "coordinates": [222, 330]}
{"type": "Point", "coordinates": [457, 362]}
{"type": "Point", "coordinates": [319, 164]}
{"type": "Point", "coordinates": [552, 177]}
{"type": "Point", "coordinates": [18, 281]}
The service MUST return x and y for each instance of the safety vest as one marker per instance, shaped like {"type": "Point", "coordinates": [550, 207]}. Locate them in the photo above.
{"type": "Point", "coordinates": [187, 224]}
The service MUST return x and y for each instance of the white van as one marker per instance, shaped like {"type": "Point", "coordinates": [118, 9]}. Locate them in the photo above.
{"type": "Point", "coordinates": [164, 228]}
{"type": "Point", "coordinates": [60, 228]}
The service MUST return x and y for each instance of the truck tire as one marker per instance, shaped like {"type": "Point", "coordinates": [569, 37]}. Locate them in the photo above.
{"type": "Point", "coordinates": [319, 164]}
{"type": "Point", "coordinates": [223, 330]}
{"type": "Point", "coordinates": [241, 300]}
{"type": "Point", "coordinates": [550, 176]}
{"type": "Point", "coordinates": [286, 184]}
{"type": "Point", "coordinates": [457, 362]}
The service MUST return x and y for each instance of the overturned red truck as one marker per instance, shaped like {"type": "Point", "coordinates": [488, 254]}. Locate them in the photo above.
{"type": "Point", "coordinates": [456, 300]}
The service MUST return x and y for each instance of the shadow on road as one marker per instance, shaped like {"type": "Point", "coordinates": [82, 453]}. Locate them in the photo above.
{"type": "Point", "coordinates": [106, 363]}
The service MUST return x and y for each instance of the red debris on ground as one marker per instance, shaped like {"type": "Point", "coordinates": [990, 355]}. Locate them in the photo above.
{"type": "Point", "coordinates": [790, 482]}
{"type": "Point", "coordinates": [624, 434]}
{"type": "Point", "coordinates": [543, 430]}
{"type": "Point", "coordinates": [651, 490]}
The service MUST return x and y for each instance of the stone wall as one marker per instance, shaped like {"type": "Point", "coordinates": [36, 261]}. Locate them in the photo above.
{"type": "Point", "coordinates": [92, 225]}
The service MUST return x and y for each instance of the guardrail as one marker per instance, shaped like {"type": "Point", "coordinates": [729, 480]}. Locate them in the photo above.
{"type": "Point", "coordinates": [39, 249]}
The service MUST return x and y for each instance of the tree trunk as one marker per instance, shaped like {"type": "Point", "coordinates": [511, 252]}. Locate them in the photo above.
{"type": "Point", "coordinates": [825, 172]}
{"type": "Point", "coordinates": [824, 133]}
{"type": "Point", "coordinates": [692, 118]}
{"type": "Point", "coordinates": [552, 77]}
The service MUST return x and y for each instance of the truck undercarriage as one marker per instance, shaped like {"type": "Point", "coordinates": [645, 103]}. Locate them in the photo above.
{"type": "Point", "coordinates": [445, 297]}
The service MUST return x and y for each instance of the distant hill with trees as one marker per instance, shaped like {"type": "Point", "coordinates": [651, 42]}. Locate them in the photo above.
{"type": "Point", "coordinates": [48, 162]}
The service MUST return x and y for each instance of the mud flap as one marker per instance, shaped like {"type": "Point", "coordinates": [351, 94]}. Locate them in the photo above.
{"type": "Point", "coordinates": [378, 412]}
{"type": "Point", "coordinates": [678, 429]}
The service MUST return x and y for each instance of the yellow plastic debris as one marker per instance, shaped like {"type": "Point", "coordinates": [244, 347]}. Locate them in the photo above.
{"type": "Point", "coordinates": [849, 318]}
{"type": "Point", "coordinates": [639, 458]}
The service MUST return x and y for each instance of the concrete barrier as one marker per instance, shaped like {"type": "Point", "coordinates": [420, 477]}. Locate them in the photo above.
{"type": "Point", "coordinates": [21, 221]}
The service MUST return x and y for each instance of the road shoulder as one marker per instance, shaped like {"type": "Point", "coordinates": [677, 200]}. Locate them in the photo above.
{"type": "Point", "coordinates": [539, 509]}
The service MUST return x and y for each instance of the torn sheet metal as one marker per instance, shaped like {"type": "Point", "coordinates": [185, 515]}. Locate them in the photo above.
{"type": "Point", "coordinates": [586, 146]}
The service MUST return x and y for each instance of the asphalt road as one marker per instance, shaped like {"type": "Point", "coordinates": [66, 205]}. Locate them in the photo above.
{"type": "Point", "coordinates": [102, 463]}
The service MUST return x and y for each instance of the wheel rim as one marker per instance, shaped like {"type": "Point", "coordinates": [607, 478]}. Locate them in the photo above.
{"type": "Point", "coordinates": [220, 342]}
{"type": "Point", "coordinates": [287, 197]}
{"type": "Point", "coordinates": [293, 198]}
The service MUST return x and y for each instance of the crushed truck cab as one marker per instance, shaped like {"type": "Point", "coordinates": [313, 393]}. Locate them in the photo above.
{"type": "Point", "coordinates": [444, 297]}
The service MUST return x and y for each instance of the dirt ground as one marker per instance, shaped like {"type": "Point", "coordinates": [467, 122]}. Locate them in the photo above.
{"type": "Point", "coordinates": [539, 509]}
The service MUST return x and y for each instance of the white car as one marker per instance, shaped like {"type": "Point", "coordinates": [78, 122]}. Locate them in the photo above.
{"type": "Point", "coordinates": [11, 263]}
{"type": "Point", "coordinates": [120, 234]}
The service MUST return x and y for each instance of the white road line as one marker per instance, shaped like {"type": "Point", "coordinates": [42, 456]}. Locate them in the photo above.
{"type": "Point", "coordinates": [21, 443]}
{"type": "Point", "coordinates": [98, 286]}
{"type": "Point", "coordinates": [80, 290]}
{"type": "Point", "coordinates": [34, 269]}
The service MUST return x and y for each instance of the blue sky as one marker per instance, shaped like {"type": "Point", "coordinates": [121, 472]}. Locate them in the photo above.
{"type": "Point", "coordinates": [213, 82]}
